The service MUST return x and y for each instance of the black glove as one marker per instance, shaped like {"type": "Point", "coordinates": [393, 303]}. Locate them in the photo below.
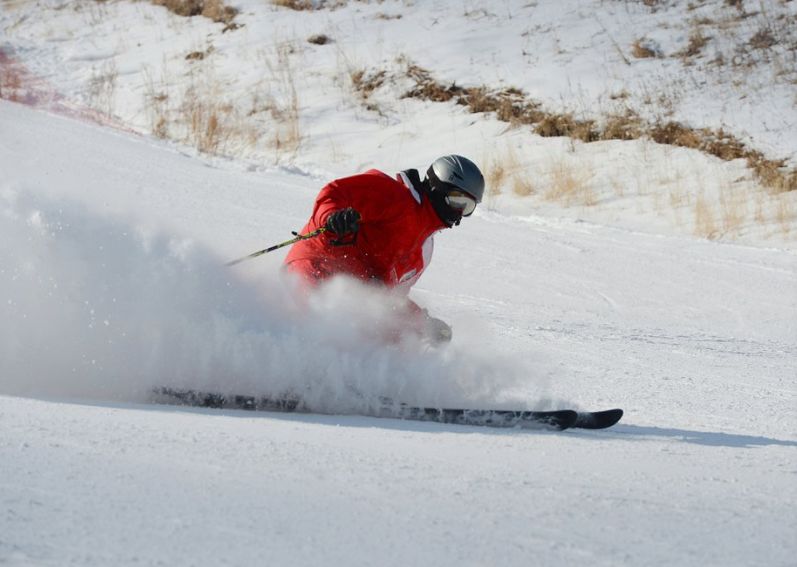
{"type": "Point", "coordinates": [344, 221]}
{"type": "Point", "coordinates": [437, 330]}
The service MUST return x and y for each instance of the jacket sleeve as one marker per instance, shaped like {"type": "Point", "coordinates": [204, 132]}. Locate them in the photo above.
{"type": "Point", "coordinates": [367, 193]}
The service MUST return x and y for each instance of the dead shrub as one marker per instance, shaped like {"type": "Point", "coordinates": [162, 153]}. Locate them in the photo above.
{"type": "Point", "coordinates": [510, 105]}
{"type": "Point", "coordinates": [212, 9]}
{"type": "Point", "coordinates": [697, 41]}
{"type": "Point", "coordinates": [554, 125]}
{"type": "Point", "coordinates": [218, 12]}
{"type": "Point", "coordinates": [722, 145]}
{"type": "Point", "coordinates": [200, 55]}
{"type": "Point", "coordinates": [426, 88]}
{"type": "Point", "coordinates": [705, 225]}
{"type": "Point", "coordinates": [11, 83]}
{"type": "Point", "coordinates": [675, 134]}
{"type": "Point", "coordinates": [302, 5]}
{"type": "Point", "coordinates": [157, 104]}
{"type": "Point", "coordinates": [496, 174]}
{"type": "Point", "coordinates": [231, 26]}
{"type": "Point", "coordinates": [203, 117]}
{"type": "Point", "coordinates": [570, 186]}
{"type": "Point", "coordinates": [513, 106]}
{"type": "Point", "coordinates": [641, 50]}
{"type": "Point", "coordinates": [284, 104]}
{"type": "Point", "coordinates": [773, 174]}
{"type": "Point", "coordinates": [319, 39]}
{"type": "Point", "coordinates": [161, 128]}
{"type": "Point", "coordinates": [763, 39]}
{"type": "Point", "coordinates": [504, 171]}
{"type": "Point", "coordinates": [784, 214]}
{"type": "Point", "coordinates": [366, 83]}
{"type": "Point", "coordinates": [102, 87]}
{"type": "Point", "coordinates": [522, 186]}
{"type": "Point", "coordinates": [733, 207]}
{"type": "Point", "coordinates": [628, 126]}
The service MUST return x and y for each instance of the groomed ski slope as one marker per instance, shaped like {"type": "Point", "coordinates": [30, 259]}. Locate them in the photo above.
{"type": "Point", "coordinates": [111, 282]}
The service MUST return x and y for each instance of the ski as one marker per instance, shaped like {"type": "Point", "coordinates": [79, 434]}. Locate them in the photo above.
{"type": "Point", "coordinates": [557, 419]}
{"type": "Point", "coordinates": [598, 419]}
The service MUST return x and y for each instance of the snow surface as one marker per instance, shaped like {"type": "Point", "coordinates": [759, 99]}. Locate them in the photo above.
{"type": "Point", "coordinates": [112, 282]}
{"type": "Point", "coordinates": [112, 247]}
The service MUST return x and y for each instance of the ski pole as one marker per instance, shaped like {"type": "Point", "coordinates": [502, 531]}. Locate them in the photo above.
{"type": "Point", "coordinates": [277, 246]}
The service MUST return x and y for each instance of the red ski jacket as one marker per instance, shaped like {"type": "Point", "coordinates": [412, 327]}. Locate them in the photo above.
{"type": "Point", "coordinates": [394, 243]}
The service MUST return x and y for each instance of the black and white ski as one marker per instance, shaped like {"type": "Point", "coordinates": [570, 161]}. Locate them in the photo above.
{"type": "Point", "coordinates": [557, 419]}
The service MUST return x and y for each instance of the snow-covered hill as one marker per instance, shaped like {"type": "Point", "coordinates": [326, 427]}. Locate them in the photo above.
{"type": "Point", "coordinates": [112, 282]}
{"type": "Point", "coordinates": [579, 283]}
{"type": "Point", "coordinates": [324, 90]}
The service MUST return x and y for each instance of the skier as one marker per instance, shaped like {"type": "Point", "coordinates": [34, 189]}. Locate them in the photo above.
{"type": "Point", "coordinates": [380, 230]}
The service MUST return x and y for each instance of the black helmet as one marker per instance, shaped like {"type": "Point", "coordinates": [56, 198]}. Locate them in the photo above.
{"type": "Point", "coordinates": [455, 187]}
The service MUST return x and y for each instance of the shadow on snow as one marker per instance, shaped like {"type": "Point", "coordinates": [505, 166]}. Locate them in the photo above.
{"type": "Point", "coordinates": [711, 438]}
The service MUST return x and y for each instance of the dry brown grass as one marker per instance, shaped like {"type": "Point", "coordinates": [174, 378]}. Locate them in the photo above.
{"type": "Point", "coordinates": [102, 87]}
{"type": "Point", "coordinates": [511, 105]}
{"type": "Point", "coordinates": [495, 174]}
{"type": "Point", "coordinates": [773, 174]}
{"type": "Point", "coordinates": [364, 84]}
{"type": "Point", "coordinates": [213, 9]}
{"type": "Point", "coordinates": [642, 51]}
{"type": "Point", "coordinates": [522, 186]}
{"type": "Point", "coordinates": [553, 125]}
{"type": "Point", "coordinates": [733, 210]}
{"type": "Point", "coordinates": [198, 115]}
{"type": "Point", "coordinates": [303, 5]}
{"type": "Point", "coordinates": [284, 105]}
{"type": "Point", "coordinates": [763, 39]}
{"type": "Point", "coordinates": [784, 214]}
{"type": "Point", "coordinates": [570, 186]}
{"type": "Point", "coordinates": [697, 41]}
{"type": "Point", "coordinates": [11, 82]}
{"type": "Point", "coordinates": [157, 99]}
{"type": "Point", "coordinates": [298, 5]}
{"type": "Point", "coordinates": [705, 225]}
{"type": "Point", "coordinates": [503, 171]}
{"type": "Point", "coordinates": [626, 126]}
{"type": "Point", "coordinates": [205, 118]}
{"type": "Point", "coordinates": [199, 55]}
{"type": "Point", "coordinates": [319, 39]}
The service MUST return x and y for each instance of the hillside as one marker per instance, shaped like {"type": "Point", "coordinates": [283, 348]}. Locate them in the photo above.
{"type": "Point", "coordinates": [341, 86]}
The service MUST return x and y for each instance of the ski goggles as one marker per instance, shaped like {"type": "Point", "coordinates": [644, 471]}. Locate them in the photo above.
{"type": "Point", "coordinates": [461, 201]}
